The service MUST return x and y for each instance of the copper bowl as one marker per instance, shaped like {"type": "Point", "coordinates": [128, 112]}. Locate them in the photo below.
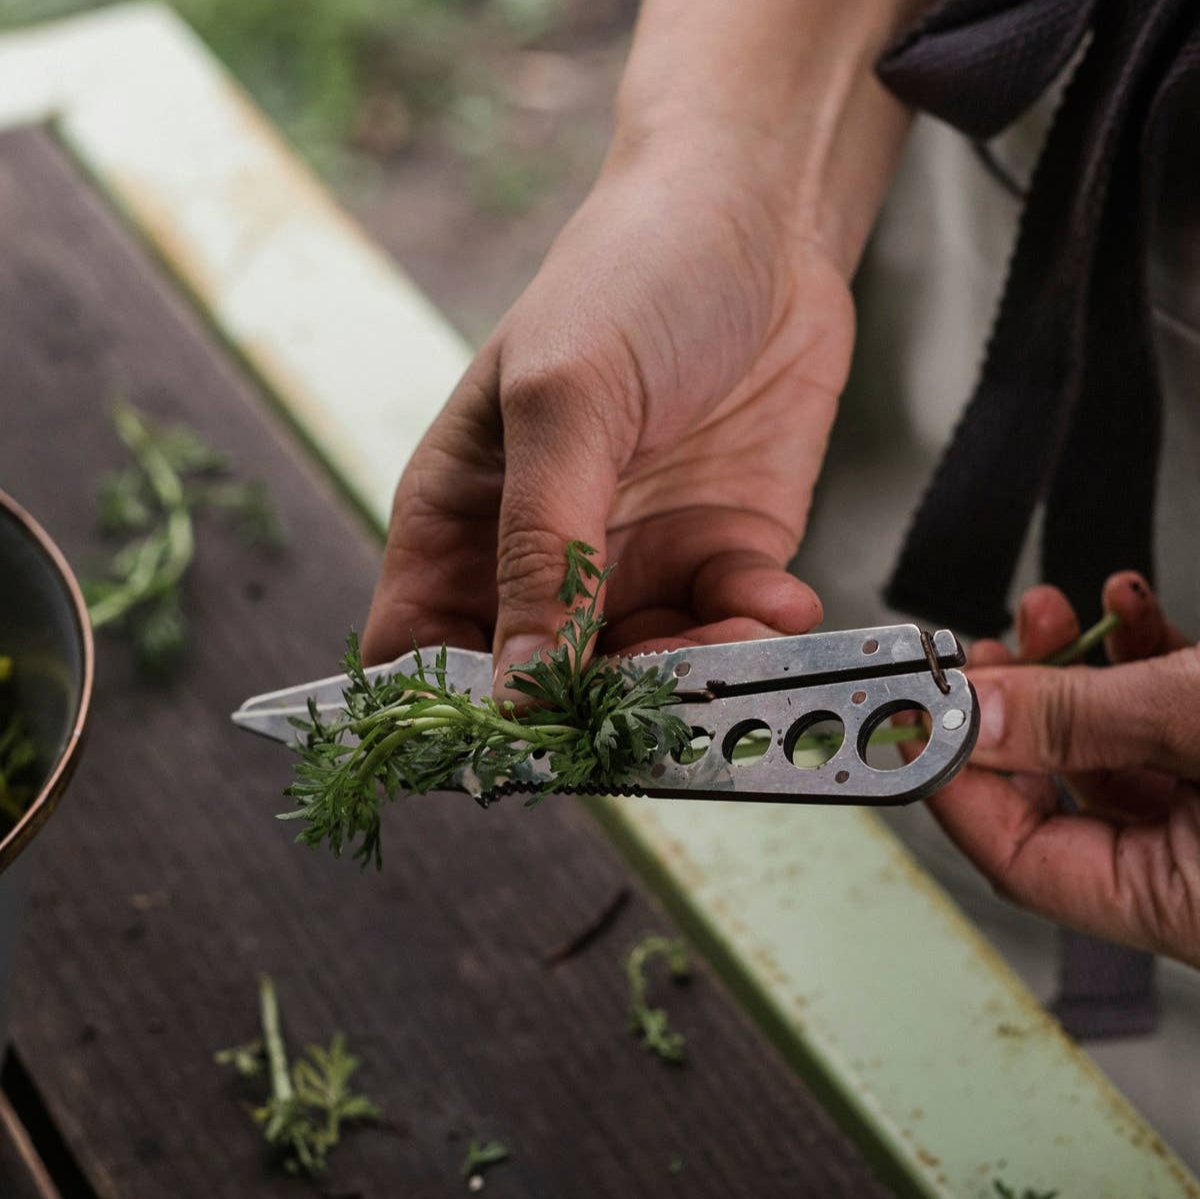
{"type": "Point", "coordinates": [43, 622]}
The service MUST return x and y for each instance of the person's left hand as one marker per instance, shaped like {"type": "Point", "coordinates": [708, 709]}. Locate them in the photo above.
{"type": "Point", "coordinates": [1125, 739]}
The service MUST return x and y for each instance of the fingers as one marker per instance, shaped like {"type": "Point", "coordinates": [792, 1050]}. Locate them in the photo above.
{"type": "Point", "coordinates": [988, 653]}
{"type": "Point", "coordinates": [437, 583]}
{"type": "Point", "coordinates": [1144, 631]}
{"type": "Point", "coordinates": [1110, 882]}
{"type": "Point", "coordinates": [560, 476]}
{"type": "Point", "coordinates": [751, 585]}
{"type": "Point", "coordinates": [735, 629]}
{"type": "Point", "coordinates": [1062, 720]}
{"type": "Point", "coordinates": [1045, 623]}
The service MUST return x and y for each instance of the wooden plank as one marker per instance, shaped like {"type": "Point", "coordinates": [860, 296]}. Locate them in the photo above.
{"type": "Point", "coordinates": [164, 885]}
{"type": "Point", "coordinates": [22, 1175]}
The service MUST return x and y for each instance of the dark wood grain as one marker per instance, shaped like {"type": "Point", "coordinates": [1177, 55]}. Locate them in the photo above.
{"type": "Point", "coordinates": [164, 885]}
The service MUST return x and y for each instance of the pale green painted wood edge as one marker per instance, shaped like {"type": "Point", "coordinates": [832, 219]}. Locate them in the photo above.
{"type": "Point", "coordinates": [864, 973]}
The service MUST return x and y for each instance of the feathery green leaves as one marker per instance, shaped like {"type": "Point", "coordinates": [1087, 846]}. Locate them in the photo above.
{"type": "Point", "coordinates": [595, 721]}
{"type": "Point", "coordinates": [150, 505]}
{"type": "Point", "coordinates": [310, 1100]}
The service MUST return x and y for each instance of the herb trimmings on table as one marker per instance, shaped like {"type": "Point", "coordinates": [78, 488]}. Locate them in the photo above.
{"type": "Point", "coordinates": [595, 721]}
{"type": "Point", "coordinates": [480, 1156]}
{"type": "Point", "coordinates": [309, 1100]}
{"type": "Point", "coordinates": [652, 1024]}
{"type": "Point", "coordinates": [151, 504]}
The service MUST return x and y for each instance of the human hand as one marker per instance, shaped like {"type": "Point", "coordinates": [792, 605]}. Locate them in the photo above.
{"type": "Point", "coordinates": [663, 390]}
{"type": "Point", "coordinates": [1125, 739]}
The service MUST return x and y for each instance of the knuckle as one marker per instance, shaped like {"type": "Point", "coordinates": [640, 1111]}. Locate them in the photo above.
{"type": "Point", "coordinates": [1058, 727]}
{"type": "Point", "coordinates": [553, 390]}
{"type": "Point", "coordinates": [529, 564]}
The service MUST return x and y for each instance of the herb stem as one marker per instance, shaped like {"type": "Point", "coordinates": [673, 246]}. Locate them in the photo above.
{"type": "Point", "coordinates": [163, 558]}
{"type": "Point", "coordinates": [281, 1078]}
{"type": "Point", "coordinates": [1087, 641]}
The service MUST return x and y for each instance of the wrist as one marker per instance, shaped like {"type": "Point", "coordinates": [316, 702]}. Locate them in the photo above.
{"type": "Point", "coordinates": [788, 91]}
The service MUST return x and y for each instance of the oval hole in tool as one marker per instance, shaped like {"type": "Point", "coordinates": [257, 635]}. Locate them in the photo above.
{"type": "Point", "coordinates": [695, 749]}
{"type": "Point", "coordinates": [746, 742]}
{"type": "Point", "coordinates": [878, 740]}
{"type": "Point", "coordinates": [814, 739]}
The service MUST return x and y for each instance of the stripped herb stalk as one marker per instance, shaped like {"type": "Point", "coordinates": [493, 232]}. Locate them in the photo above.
{"type": "Point", "coordinates": [652, 1023]}
{"type": "Point", "coordinates": [152, 504]}
{"type": "Point", "coordinates": [309, 1101]}
{"type": "Point", "coordinates": [595, 722]}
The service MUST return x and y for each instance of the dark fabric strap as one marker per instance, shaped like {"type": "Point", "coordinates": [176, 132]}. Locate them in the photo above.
{"type": "Point", "coordinates": [1067, 407]}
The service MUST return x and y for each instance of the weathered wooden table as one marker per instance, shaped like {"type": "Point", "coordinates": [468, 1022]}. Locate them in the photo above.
{"type": "Point", "coordinates": [163, 886]}
{"type": "Point", "coordinates": [157, 238]}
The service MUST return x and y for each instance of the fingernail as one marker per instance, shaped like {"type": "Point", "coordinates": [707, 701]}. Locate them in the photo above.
{"type": "Point", "coordinates": [991, 714]}
{"type": "Point", "coordinates": [1139, 588]}
{"type": "Point", "coordinates": [517, 649]}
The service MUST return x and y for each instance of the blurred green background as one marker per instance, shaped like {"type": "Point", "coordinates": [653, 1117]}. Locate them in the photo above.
{"type": "Point", "coordinates": [462, 132]}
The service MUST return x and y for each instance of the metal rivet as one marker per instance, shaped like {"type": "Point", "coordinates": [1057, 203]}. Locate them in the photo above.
{"type": "Point", "coordinates": [684, 668]}
{"type": "Point", "coordinates": [858, 697]}
{"type": "Point", "coordinates": [657, 770]}
{"type": "Point", "coordinates": [841, 776]}
{"type": "Point", "coordinates": [870, 645]}
{"type": "Point", "coordinates": [954, 719]}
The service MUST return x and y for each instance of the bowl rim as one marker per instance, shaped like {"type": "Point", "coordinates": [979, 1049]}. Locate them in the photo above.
{"type": "Point", "coordinates": [38, 812]}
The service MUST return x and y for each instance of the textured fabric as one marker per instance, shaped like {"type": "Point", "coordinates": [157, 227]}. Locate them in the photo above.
{"type": "Point", "coordinates": [1067, 405]}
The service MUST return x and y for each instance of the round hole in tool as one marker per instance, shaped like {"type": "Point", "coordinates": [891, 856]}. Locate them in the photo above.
{"type": "Point", "coordinates": [746, 742]}
{"type": "Point", "coordinates": [882, 734]}
{"type": "Point", "coordinates": [814, 739]}
{"type": "Point", "coordinates": [695, 749]}
{"type": "Point", "coordinates": [870, 645]}
{"type": "Point", "coordinates": [858, 697]}
{"type": "Point", "coordinates": [683, 669]}
{"type": "Point", "coordinates": [841, 776]}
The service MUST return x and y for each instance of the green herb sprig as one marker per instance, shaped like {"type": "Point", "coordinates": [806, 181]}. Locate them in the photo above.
{"type": "Point", "coordinates": [18, 756]}
{"type": "Point", "coordinates": [594, 720]}
{"type": "Point", "coordinates": [652, 1024]}
{"type": "Point", "coordinates": [310, 1100]}
{"type": "Point", "coordinates": [479, 1157]}
{"type": "Point", "coordinates": [151, 504]}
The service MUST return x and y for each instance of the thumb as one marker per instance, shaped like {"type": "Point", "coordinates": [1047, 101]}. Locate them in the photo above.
{"type": "Point", "coordinates": [1080, 718]}
{"type": "Point", "coordinates": [560, 477]}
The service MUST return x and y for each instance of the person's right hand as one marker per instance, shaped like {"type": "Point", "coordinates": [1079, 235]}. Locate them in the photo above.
{"type": "Point", "coordinates": [664, 391]}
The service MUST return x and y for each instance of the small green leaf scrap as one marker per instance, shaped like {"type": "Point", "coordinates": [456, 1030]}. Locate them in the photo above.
{"type": "Point", "coordinates": [652, 1024]}
{"type": "Point", "coordinates": [151, 505]}
{"type": "Point", "coordinates": [479, 1157]}
{"type": "Point", "coordinates": [309, 1101]}
{"type": "Point", "coordinates": [595, 722]}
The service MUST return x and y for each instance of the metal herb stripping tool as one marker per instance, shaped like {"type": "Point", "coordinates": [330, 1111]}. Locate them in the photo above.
{"type": "Point", "coordinates": [755, 707]}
